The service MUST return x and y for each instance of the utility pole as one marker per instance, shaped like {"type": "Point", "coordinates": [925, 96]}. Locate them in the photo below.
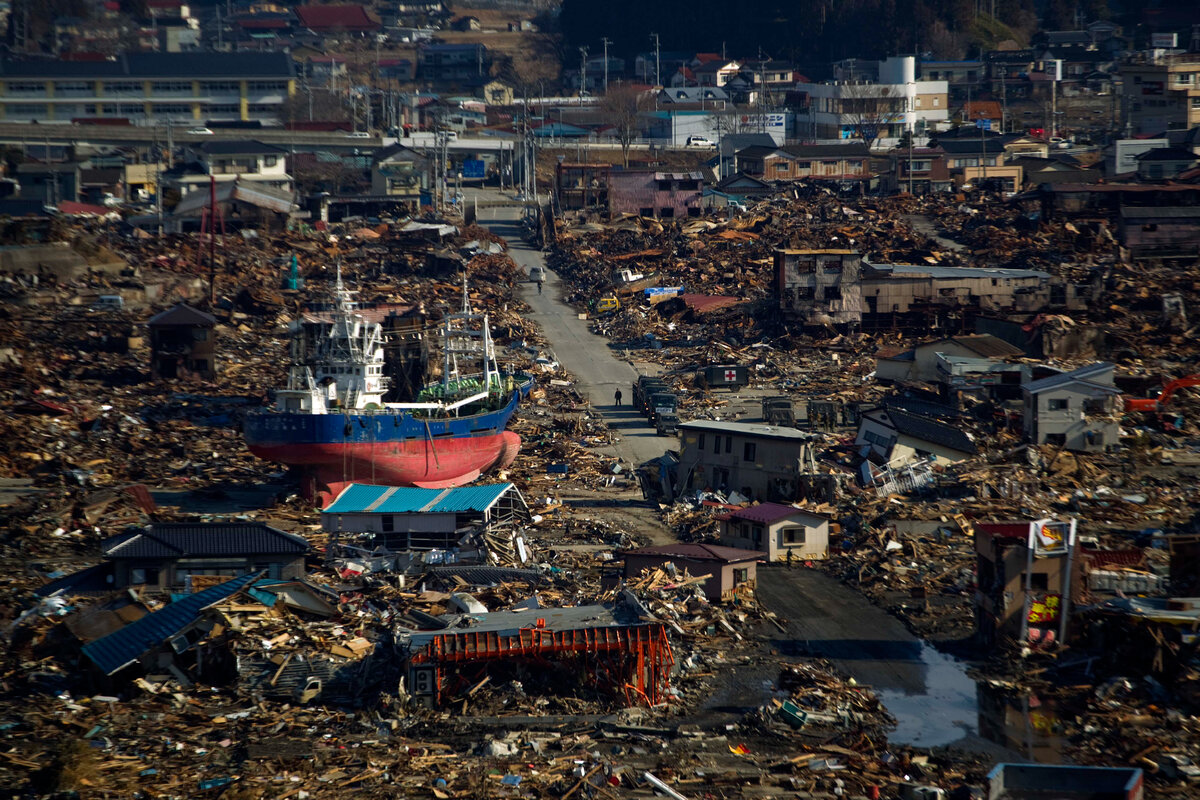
{"type": "Point", "coordinates": [583, 51]}
{"type": "Point", "coordinates": [657, 61]}
{"type": "Point", "coordinates": [604, 40]}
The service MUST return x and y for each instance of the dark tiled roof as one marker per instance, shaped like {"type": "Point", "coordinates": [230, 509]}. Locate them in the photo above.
{"type": "Point", "coordinates": [987, 346]}
{"type": "Point", "coordinates": [335, 17]}
{"type": "Point", "coordinates": [698, 552]}
{"type": "Point", "coordinates": [756, 151]}
{"type": "Point", "coordinates": [178, 540]}
{"type": "Point", "coordinates": [238, 148]}
{"type": "Point", "coordinates": [770, 512]}
{"type": "Point", "coordinates": [1088, 374]}
{"type": "Point", "coordinates": [930, 430]}
{"type": "Point", "coordinates": [157, 65]}
{"type": "Point", "coordinates": [119, 649]}
{"type": "Point", "coordinates": [853, 150]}
{"type": "Point", "coordinates": [1168, 154]}
{"type": "Point", "coordinates": [182, 315]}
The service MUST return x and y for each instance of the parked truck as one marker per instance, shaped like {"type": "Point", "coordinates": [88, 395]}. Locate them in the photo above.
{"type": "Point", "coordinates": [643, 388]}
{"type": "Point", "coordinates": [662, 404]}
{"type": "Point", "coordinates": [726, 376]}
{"type": "Point", "coordinates": [778, 410]}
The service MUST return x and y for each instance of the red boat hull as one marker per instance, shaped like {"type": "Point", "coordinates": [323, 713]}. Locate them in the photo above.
{"type": "Point", "coordinates": [331, 467]}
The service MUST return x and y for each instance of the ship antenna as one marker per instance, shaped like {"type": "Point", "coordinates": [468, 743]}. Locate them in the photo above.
{"type": "Point", "coordinates": [343, 297]}
{"type": "Point", "coordinates": [466, 308]}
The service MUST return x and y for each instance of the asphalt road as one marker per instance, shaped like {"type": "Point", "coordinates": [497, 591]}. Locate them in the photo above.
{"type": "Point", "coordinates": [933, 700]}
{"type": "Point", "coordinates": [598, 369]}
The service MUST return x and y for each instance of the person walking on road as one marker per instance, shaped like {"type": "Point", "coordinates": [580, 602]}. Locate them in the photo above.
{"type": "Point", "coordinates": [539, 287]}
{"type": "Point", "coordinates": [789, 558]}
{"type": "Point", "coordinates": [618, 397]}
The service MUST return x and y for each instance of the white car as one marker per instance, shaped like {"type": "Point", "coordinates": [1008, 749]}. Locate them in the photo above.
{"type": "Point", "coordinates": [547, 364]}
{"type": "Point", "coordinates": [357, 135]}
{"type": "Point", "coordinates": [200, 131]}
{"type": "Point", "coordinates": [701, 142]}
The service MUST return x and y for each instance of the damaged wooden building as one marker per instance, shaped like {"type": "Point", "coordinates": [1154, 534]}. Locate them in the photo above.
{"type": "Point", "coordinates": [410, 518]}
{"type": "Point", "coordinates": [838, 289]}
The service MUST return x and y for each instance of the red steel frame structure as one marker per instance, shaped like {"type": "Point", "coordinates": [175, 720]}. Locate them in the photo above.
{"type": "Point", "coordinates": [641, 652]}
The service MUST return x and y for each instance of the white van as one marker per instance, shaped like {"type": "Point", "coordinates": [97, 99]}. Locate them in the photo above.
{"type": "Point", "coordinates": [537, 274]}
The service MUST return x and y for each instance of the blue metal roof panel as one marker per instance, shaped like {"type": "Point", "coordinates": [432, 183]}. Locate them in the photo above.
{"type": "Point", "coordinates": [362, 499]}
{"type": "Point", "coordinates": [123, 647]}
{"type": "Point", "coordinates": [472, 498]}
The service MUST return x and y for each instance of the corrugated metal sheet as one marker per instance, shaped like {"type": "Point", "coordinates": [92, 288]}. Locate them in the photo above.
{"type": "Point", "coordinates": [360, 498]}
{"type": "Point", "coordinates": [127, 645]}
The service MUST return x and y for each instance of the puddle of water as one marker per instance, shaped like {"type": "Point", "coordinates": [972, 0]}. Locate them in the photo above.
{"type": "Point", "coordinates": [1026, 724]}
{"type": "Point", "coordinates": [944, 712]}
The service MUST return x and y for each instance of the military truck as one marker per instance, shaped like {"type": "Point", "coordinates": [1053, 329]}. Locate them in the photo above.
{"type": "Point", "coordinates": [728, 376]}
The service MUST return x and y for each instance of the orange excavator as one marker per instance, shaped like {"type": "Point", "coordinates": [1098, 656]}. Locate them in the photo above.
{"type": "Point", "coordinates": [1157, 403]}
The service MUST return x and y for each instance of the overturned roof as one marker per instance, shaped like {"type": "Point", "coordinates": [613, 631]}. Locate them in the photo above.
{"type": "Point", "coordinates": [251, 192]}
{"type": "Point", "coordinates": [928, 430]}
{"type": "Point", "coordinates": [121, 648]}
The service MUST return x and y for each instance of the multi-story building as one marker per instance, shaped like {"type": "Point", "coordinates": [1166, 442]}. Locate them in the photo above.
{"type": "Point", "coordinates": [844, 110]}
{"type": "Point", "coordinates": [148, 88]}
{"type": "Point", "coordinates": [251, 162]}
{"type": "Point", "coordinates": [455, 63]}
{"type": "Point", "coordinates": [1160, 93]}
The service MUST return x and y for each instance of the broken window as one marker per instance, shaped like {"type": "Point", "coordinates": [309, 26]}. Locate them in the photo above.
{"type": "Point", "coordinates": [700, 442]}
{"type": "Point", "coordinates": [793, 535]}
{"type": "Point", "coordinates": [1057, 439]}
{"type": "Point", "coordinates": [1039, 581]}
{"type": "Point", "coordinates": [741, 575]}
{"type": "Point", "coordinates": [666, 212]}
{"type": "Point", "coordinates": [728, 444]}
{"type": "Point", "coordinates": [1058, 404]}
{"type": "Point", "coordinates": [748, 451]}
{"type": "Point", "coordinates": [143, 576]}
{"type": "Point", "coordinates": [833, 293]}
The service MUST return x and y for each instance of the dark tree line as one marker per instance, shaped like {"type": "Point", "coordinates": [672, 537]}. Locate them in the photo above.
{"type": "Point", "coordinates": [818, 31]}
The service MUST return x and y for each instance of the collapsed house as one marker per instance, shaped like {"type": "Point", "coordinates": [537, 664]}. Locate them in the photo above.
{"type": "Point", "coordinates": [625, 647]}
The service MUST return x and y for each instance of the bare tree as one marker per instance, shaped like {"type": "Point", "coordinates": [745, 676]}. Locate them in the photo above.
{"type": "Point", "coordinates": [621, 108]}
{"type": "Point", "coordinates": [869, 107]}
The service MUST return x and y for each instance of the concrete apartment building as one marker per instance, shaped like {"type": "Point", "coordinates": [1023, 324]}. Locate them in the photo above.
{"type": "Point", "coordinates": [837, 288]}
{"type": "Point", "coordinates": [820, 287]}
{"type": "Point", "coordinates": [897, 102]}
{"type": "Point", "coordinates": [1160, 93]}
{"type": "Point", "coordinates": [186, 88]}
{"type": "Point", "coordinates": [762, 462]}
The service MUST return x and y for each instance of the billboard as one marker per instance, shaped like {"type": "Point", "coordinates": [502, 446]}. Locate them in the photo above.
{"type": "Point", "coordinates": [473, 168]}
{"type": "Point", "coordinates": [1164, 40]}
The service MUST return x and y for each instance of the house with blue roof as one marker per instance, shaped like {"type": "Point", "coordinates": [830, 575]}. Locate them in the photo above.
{"type": "Point", "coordinates": [410, 518]}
